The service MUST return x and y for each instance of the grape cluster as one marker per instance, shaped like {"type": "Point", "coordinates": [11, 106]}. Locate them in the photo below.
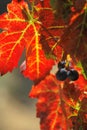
{"type": "Point", "coordinates": [63, 73]}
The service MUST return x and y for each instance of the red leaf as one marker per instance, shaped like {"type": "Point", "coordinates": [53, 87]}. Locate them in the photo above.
{"type": "Point", "coordinates": [51, 30]}
{"type": "Point", "coordinates": [12, 39]}
{"type": "Point", "coordinates": [49, 107]}
{"type": "Point", "coordinates": [21, 29]}
{"type": "Point", "coordinates": [38, 66]}
{"type": "Point", "coordinates": [58, 101]}
{"type": "Point", "coordinates": [75, 37]}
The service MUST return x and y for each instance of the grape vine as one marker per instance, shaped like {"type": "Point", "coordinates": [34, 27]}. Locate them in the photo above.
{"type": "Point", "coordinates": [53, 33]}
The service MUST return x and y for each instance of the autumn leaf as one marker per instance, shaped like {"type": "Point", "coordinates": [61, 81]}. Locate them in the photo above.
{"type": "Point", "coordinates": [21, 30]}
{"type": "Point", "coordinates": [51, 30]}
{"type": "Point", "coordinates": [37, 66]}
{"type": "Point", "coordinates": [74, 39]}
{"type": "Point", "coordinates": [50, 106]}
{"type": "Point", "coordinates": [58, 101]}
{"type": "Point", "coordinates": [12, 39]}
{"type": "Point", "coordinates": [76, 96]}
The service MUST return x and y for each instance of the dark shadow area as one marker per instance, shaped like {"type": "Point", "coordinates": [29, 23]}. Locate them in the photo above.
{"type": "Point", "coordinates": [3, 5]}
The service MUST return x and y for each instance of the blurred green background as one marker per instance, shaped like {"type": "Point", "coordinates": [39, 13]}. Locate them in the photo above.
{"type": "Point", "coordinates": [17, 110]}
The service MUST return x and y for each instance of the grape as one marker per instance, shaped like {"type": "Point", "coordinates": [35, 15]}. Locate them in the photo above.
{"type": "Point", "coordinates": [73, 75]}
{"type": "Point", "coordinates": [61, 64]}
{"type": "Point", "coordinates": [61, 74]}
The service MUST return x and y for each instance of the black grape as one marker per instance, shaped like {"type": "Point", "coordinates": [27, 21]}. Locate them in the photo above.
{"type": "Point", "coordinates": [61, 64]}
{"type": "Point", "coordinates": [73, 75]}
{"type": "Point", "coordinates": [61, 74]}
